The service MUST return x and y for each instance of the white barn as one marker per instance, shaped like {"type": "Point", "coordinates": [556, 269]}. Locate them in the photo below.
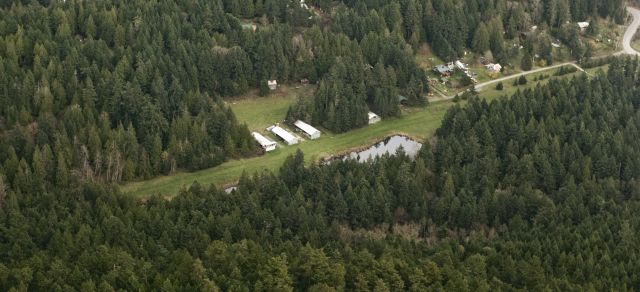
{"type": "Point", "coordinates": [373, 118]}
{"type": "Point", "coordinates": [310, 131]}
{"type": "Point", "coordinates": [288, 138]}
{"type": "Point", "coordinates": [266, 144]}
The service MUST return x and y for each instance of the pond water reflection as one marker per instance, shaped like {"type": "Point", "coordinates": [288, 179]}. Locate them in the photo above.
{"type": "Point", "coordinates": [389, 145]}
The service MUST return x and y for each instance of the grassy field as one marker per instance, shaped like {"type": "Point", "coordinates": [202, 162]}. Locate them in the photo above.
{"type": "Point", "coordinates": [419, 123]}
{"type": "Point", "coordinates": [260, 112]}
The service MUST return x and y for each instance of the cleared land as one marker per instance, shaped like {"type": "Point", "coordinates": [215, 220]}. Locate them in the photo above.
{"type": "Point", "coordinates": [417, 123]}
{"type": "Point", "coordinates": [259, 112]}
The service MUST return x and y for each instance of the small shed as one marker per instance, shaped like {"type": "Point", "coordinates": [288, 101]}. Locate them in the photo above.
{"type": "Point", "coordinates": [265, 142]}
{"type": "Point", "coordinates": [308, 130]}
{"type": "Point", "coordinates": [287, 137]}
{"type": "Point", "coordinates": [373, 118]}
{"type": "Point", "coordinates": [583, 25]}
{"type": "Point", "coordinates": [402, 99]}
{"type": "Point", "coordinates": [249, 26]}
{"type": "Point", "coordinates": [273, 84]}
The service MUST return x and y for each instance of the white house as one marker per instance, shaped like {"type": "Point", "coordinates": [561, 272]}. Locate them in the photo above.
{"type": "Point", "coordinates": [310, 131]}
{"type": "Point", "coordinates": [493, 67]}
{"type": "Point", "coordinates": [460, 65]}
{"type": "Point", "coordinates": [266, 144]}
{"type": "Point", "coordinates": [583, 25]}
{"type": "Point", "coordinates": [287, 137]}
{"type": "Point", "coordinates": [373, 118]}
{"type": "Point", "coordinates": [273, 84]}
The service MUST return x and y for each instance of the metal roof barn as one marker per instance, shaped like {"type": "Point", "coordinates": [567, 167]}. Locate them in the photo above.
{"type": "Point", "coordinates": [284, 135]}
{"type": "Point", "coordinates": [266, 144]}
{"type": "Point", "coordinates": [310, 131]}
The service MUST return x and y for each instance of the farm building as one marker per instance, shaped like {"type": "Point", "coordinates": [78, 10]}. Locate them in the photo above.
{"type": "Point", "coordinates": [308, 130]}
{"type": "Point", "coordinates": [287, 137]}
{"type": "Point", "coordinates": [266, 144]}
{"type": "Point", "coordinates": [373, 118]}
{"type": "Point", "coordinates": [273, 84]}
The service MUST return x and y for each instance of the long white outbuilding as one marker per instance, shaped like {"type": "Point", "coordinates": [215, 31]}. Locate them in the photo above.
{"type": "Point", "coordinates": [265, 142]}
{"type": "Point", "coordinates": [309, 130]}
{"type": "Point", "coordinates": [287, 137]}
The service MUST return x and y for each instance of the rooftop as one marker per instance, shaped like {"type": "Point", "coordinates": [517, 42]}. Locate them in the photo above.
{"type": "Point", "coordinates": [282, 133]}
{"type": "Point", "coordinates": [306, 127]}
{"type": "Point", "coordinates": [264, 141]}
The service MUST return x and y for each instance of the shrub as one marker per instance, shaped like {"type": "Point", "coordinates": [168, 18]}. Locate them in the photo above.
{"type": "Point", "coordinates": [522, 80]}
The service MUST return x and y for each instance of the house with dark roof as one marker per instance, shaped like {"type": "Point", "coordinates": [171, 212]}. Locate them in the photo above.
{"type": "Point", "coordinates": [444, 70]}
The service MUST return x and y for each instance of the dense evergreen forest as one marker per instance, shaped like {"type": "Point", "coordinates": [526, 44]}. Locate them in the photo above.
{"type": "Point", "coordinates": [121, 90]}
{"type": "Point", "coordinates": [538, 191]}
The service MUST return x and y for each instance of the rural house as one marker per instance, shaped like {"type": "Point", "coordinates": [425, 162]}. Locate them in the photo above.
{"type": "Point", "coordinates": [493, 68]}
{"type": "Point", "coordinates": [444, 70]}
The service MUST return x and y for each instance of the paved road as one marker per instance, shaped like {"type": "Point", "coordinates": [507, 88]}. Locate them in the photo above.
{"type": "Point", "coordinates": [630, 32]}
{"type": "Point", "coordinates": [626, 45]}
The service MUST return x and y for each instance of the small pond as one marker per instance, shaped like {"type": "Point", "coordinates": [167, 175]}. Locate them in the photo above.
{"type": "Point", "coordinates": [388, 145]}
